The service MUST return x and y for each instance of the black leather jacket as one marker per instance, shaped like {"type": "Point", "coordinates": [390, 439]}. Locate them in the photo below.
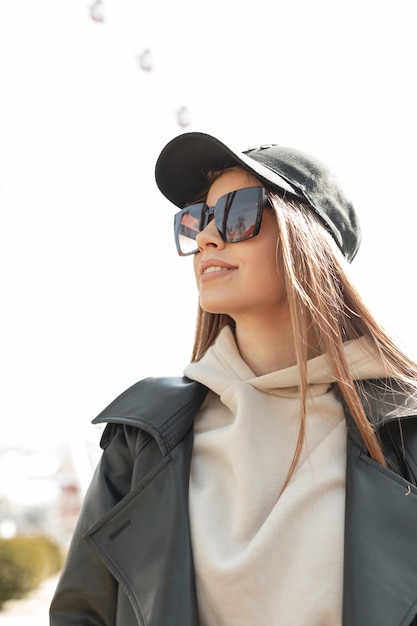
{"type": "Point", "coordinates": [130, 562]}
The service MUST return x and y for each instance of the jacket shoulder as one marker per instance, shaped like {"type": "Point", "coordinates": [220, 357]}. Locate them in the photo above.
{"type": "Point", "coordinates": [156, 405]}
{"type": "Point", "coordinates": [387, 399]}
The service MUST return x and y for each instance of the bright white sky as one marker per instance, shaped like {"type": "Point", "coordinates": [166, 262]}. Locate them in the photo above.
{"type": "Point", "coordinates": [93, 294]}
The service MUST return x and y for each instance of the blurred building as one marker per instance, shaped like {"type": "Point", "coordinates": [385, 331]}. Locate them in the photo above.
{"type": "Point", "coordinates": [41, 490]}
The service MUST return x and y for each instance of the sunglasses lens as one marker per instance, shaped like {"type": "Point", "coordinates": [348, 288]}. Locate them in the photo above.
{"type": "Point", "coordinates": [237, 216]}
{"type": "Point", "coordinates": [187, 227]}
{"type": "Point", "coordinates": [242, 214]}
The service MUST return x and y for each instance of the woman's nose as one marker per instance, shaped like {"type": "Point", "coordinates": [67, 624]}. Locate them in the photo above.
{"type": "Point", "coordinates": [209, 236]}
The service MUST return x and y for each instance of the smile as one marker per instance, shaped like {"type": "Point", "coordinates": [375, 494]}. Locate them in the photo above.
{"type": "Point", "coordinates": [215, 268]}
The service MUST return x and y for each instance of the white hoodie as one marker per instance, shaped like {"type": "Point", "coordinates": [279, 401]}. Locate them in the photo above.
{"type": "Point", "coordinates": [262, 559]}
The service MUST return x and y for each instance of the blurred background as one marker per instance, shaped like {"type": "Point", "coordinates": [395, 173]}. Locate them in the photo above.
{"type": "Point", "coordinates": [94, 296]}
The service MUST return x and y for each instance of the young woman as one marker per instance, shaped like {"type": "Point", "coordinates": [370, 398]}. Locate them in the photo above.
{"type": "Point", "coordinates": [275, 483]}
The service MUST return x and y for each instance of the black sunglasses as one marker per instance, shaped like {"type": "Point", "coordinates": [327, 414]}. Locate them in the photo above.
{"type": "Point", "coordinates": [238, 216]}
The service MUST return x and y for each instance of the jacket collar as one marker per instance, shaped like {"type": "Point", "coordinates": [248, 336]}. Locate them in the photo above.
{"type": "Point", "coordinates": [163, 407]}
{"type": "Point", "coordinates": [385, 400]}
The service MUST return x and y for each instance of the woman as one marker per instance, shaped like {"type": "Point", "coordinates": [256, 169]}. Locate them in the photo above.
{"type": "Point", "coordinates": [276, 482]}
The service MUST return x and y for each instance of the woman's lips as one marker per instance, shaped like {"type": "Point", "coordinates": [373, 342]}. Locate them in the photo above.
{"type": "Point", "coordinates": [214, 269]}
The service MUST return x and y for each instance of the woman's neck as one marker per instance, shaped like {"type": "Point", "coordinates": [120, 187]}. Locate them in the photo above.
{"type": "Point", "coordinates": [264, 348]}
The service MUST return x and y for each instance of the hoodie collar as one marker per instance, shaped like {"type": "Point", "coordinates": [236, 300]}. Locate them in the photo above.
{"type": "Point", "coordinates": [222, 366]}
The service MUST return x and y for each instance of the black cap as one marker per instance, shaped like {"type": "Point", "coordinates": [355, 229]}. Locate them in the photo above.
{"type": "Point", "coordinates": [184, 162]}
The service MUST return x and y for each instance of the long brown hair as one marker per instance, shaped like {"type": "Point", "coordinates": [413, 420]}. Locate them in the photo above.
{"type": "Point", "coordinates": [326, 310]}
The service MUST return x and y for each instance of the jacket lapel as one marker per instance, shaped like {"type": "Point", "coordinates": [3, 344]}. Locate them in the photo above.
{"type": "Point", "coordinates": [145, 543]}
{"type": "Point", "coordinates": [380, 585]}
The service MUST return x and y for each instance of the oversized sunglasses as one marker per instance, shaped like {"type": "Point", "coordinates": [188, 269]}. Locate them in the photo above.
{"type": "Point", "coordinates": [237, 215]}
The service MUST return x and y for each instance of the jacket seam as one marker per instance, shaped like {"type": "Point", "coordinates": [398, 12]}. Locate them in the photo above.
{"type": "Point", "coordinates": [170, 427]}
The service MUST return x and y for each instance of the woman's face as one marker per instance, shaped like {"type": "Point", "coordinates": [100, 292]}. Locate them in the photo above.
{"type": "Point", "coordinates": [241, 279]}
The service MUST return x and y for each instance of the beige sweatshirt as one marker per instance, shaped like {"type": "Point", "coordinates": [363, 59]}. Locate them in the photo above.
{"type": "Point", "coordinates": [260, 559]}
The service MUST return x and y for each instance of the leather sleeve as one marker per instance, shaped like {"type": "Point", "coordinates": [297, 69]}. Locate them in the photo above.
{"type": "Point", "coordinates": [86, 592]}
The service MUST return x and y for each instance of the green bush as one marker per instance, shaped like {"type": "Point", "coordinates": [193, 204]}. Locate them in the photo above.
{"type": "Point", "coordinates": [52, 553]}
{"type": "Point", "coordinates": [24, 563]}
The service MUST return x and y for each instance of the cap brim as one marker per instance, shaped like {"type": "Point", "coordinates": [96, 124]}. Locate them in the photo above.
{"type": "Point", "coordinates": [181, 169]}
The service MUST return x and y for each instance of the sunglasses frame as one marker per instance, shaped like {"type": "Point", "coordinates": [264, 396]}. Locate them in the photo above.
{"type": "Point", "coordinates": [220, 217]}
